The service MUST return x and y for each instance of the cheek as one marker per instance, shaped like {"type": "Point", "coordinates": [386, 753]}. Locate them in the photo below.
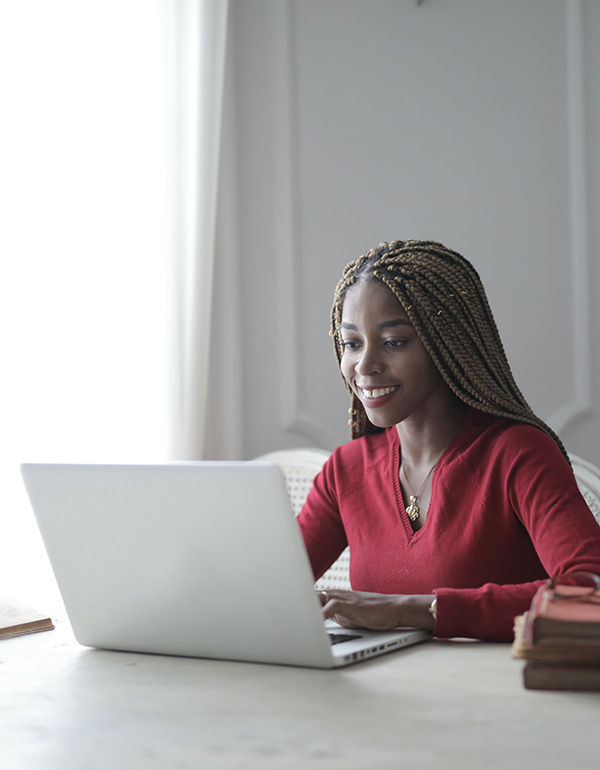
{"type": "Point", "coordinates": [346, 368]}
{"type": "Point", "coordinates": [430, 377]}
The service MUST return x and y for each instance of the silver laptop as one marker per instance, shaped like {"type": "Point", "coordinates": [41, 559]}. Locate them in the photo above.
{"type": "Point", "coordinates": [197, 559]}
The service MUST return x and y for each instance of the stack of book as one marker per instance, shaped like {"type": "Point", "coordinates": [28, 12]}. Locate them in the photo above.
{"type": "Point", "coordinates": [559, 640]}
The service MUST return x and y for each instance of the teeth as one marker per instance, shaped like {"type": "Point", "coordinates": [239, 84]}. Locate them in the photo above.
{"type": "Point", "coordinates": [378, 392]}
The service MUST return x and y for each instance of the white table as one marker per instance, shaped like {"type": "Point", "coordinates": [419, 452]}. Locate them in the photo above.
{"type": "Point", "coordinates": [438, 705]}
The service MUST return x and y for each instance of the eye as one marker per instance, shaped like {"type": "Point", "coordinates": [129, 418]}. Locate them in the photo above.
{"type": "Point", "coordinates": [350, 344]}
{"type": "Point", "coordinates": [395, 343]}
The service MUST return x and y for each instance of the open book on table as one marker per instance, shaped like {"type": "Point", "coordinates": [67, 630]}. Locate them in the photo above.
{"type": "Point", "coordinates": [17, 619]}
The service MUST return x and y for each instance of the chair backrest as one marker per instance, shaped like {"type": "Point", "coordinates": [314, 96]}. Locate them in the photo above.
{"type": "Point", "coordinates": [299, 467]}
{"type": "Point", "coordinates": [587, 476]}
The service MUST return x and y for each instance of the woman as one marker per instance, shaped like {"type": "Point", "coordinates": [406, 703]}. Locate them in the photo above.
{"type": "Point", "coordinates": [456, 500]}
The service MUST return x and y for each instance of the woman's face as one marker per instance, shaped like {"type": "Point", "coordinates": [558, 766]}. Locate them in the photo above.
{"type": "Point", "coordinates": [383, 359]}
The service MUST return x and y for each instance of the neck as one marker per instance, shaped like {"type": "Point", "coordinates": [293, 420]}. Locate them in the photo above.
{"type": "Point", "coordinates": [424, 437]}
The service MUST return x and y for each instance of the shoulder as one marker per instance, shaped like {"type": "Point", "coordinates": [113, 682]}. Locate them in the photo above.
{"type": "Point", "coordinates": [508, 444]}
{"type": "Point", "coordinates": [507, 432]}
{"type": "Point", "coordinates": [367, 449]}
{"type": "Point", "coordinates": [512, 467]}
{"type": "Point", "coordinates": [349, 463]}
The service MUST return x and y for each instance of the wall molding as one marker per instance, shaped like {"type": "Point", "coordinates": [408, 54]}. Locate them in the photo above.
{"type": "Point", "coordinates": [294, 415]}
{"type": "Point", "coordinates": [580, 404]}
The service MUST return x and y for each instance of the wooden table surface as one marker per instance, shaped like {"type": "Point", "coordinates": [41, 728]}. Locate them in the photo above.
{"type": "Point", "coordinates": [450, 704]}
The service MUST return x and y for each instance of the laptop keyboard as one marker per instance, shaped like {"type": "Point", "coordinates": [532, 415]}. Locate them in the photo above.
{"type": "Point", "coordinates": [337, 638]}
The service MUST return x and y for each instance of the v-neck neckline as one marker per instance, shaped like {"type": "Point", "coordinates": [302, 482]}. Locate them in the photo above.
{"type": "Point", "coordinates": [397, 450]}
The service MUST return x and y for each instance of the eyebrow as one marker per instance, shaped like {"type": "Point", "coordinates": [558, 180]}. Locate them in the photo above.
{"type": "Point", "coordinates": [383, 325]}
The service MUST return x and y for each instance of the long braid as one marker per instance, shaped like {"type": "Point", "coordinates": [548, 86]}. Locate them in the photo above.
{"type": "Point", "coordinates": [446, 303]}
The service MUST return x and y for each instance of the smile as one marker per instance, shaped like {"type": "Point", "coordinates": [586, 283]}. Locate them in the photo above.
{"type": "Point", "coordinates": [379, 392]}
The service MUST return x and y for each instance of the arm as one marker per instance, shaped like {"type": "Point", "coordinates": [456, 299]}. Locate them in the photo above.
{"type": "Point", "coordinates": [541, 491]}
{"type": "Point", "coordinates": [321, 525]}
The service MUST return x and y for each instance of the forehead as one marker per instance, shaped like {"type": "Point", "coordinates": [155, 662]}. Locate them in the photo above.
{"type": "Point", "coordinates": [371, 301]}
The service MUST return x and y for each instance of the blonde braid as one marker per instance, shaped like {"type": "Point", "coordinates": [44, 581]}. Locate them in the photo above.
{"type": "Point", "coordinates": [443, 296]}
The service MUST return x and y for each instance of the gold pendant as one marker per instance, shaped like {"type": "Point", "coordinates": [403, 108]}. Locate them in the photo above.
{"type": "Point", "coordinates": [413, 509]}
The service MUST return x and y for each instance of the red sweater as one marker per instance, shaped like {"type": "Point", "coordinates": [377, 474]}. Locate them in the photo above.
{"type": "Point", "coordinates": [505, 513]}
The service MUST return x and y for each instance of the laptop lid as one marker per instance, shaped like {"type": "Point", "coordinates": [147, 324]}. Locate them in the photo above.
{"type": "Point", "coordinates": [197, 559]}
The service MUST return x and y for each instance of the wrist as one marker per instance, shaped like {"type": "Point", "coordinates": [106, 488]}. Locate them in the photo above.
{"type": "Point", "coordinates": [416, 611]}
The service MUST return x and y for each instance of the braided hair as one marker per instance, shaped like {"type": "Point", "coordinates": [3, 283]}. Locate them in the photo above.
{"type": "Point", "coordinates": [443, 296]}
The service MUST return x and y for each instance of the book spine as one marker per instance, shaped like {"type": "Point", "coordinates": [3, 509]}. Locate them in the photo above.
{"type": "Point", "coordinates": [556, 677]}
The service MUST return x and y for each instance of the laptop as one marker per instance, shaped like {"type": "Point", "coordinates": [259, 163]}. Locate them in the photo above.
{"type": "Point", "coordinates": [200, 559]}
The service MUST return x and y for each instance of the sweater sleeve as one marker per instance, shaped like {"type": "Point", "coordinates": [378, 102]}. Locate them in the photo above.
{"type": "Point", "coordinates": [320, 522]}
{"type": "Point", "coordinates": [542, 492]}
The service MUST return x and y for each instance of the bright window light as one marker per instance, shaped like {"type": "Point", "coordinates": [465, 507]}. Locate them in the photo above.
{"type": "Point", "coordinates": [83, 278]}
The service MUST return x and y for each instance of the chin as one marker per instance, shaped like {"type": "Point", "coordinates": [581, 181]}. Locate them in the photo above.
{"type": "Point", "coordinates": [380, 421]}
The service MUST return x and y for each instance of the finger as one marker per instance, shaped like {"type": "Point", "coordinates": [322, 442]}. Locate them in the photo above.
{"type": "Point", "coordinates": [334, 609]}
{"type": "Point", "coordinates": [345, 621]}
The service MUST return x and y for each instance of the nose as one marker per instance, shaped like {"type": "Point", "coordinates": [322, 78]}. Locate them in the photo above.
{"type": "Point", "coordinates": [369, 362]}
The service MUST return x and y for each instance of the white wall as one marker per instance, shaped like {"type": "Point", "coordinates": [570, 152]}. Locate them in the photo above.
{"type": "Point", "coordinates": [472, 122]}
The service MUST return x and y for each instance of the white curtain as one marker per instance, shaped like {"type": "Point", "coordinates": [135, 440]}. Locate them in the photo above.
{"type": "Point", "coordinates": [82, 252]}
{"type": "Point", "coordinates": [195, 45]}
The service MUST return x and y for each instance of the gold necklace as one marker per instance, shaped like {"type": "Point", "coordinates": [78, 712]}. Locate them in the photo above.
{"type": "Point", "coordinates": [413, 509]}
